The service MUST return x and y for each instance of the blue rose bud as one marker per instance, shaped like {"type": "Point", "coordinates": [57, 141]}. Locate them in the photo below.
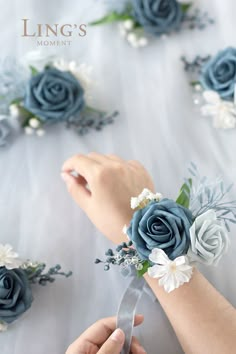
{"type": "Point", "coordinates": [54, 95]}
{"type": "Point", "coordinates": [158, 16]}
{"type": "Point", "coordinates": [163, 225]}
{"type": "Point", "coordinates": [15, 294]}
{"type": "Point", "coordinates": [219, 73]}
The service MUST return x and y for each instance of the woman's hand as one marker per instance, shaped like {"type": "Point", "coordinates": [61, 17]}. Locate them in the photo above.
{"type": "Point", "coordinates": [111, 183]}
{"type": "Point", "coordinates": [102, 338]}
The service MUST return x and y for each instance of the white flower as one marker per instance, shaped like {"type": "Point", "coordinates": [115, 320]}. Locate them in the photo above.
{"type": "Point", "coordinates": [3, 326]}
{"type": "Point", "coordinates": [34, 123]}
{"type": "Point", "coordinates": [8, 258]}
{"type": "Point", "coordinates": [209, 239]}
{"type": "Point", "coordinates": [14, 111]}
{"type": "Point", "coordinates": [223, 112]}
{"type": "Point", "coordinates": [145, 196]}
{"type": "Point", "coordinates": [81, 71]}
{"type": "Point", "coordinates": [139, 266]}
{"type": "Point", "coordinates": [37, 58]}
{"type": "Point", "coordinates": [172, 274]}
{"type": "Point", "coordinates": [128, 24]}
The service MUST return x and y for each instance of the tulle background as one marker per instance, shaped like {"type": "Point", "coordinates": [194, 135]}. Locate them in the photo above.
{"type": "Point", "coordinates": [157, 125]}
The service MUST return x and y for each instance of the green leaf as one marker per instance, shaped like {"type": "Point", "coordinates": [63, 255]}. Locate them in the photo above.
{"type": "Point", "coordinates": [183, 198]}
{"type": "Point", "coordinates": [34, 71]}
{"type": "Point", "coordinates": [141, 272]}
{"type": "Point", "coordinates": [194, 83]}
{"type": "Point", "coordinates": [16, 101]}
{"type": "Point", "coordinates": [185, 6]}
{"type": "Point", "coordinates": [111, 18]}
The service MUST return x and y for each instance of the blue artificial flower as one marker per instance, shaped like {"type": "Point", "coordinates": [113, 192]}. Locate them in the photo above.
{"type": "Point", "coordinates": [4, 132]}
{"type": "Point", "coordinates": [15, 294]}
{"type": "Point", "coordinates": [54, 95]}
{"type": "Point", "coordinates": [163, 225]}
{"type": "Point", "coordinates": [158, 16]}
{"type": "Point", "coordinates": [219, 73]}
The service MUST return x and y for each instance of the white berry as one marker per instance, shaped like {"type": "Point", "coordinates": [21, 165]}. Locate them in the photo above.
{"type": "Point", "coordinates": [128, 24]}
{"type": "Point", "coordinates": [29, 131]}
{"type": "Point", "coordinates": [142, 41]}
{"type": "Point", "coordinates": [40, 132]}
{"type": "Point", "coordinates": [14, 111]}
{"type": "Point", "coordinates": [34, 123]}
{"type": "Point", "coordinates": [132, 38]}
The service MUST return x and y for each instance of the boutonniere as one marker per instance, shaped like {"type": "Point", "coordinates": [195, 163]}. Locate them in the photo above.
{"type": "Point", "coordinates": [142, 20]}
{"type": "Point", "coordinates": [17, 277]}
{"type": "Point", "coordinates": [35, 96]}
{"type": "Point", "coordinates": [213, 79]}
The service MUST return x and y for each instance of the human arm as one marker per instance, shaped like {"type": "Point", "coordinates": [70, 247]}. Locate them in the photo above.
{"type": "Point", "coordinates": [204, 321]}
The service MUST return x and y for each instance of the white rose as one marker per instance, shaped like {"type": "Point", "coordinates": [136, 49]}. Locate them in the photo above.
{"type": "Point", "coordinates": [209, 239]}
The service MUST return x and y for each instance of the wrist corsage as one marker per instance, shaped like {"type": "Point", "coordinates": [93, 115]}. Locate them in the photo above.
{"type": "Point", "coordinates": [213, 79]}
{"type": "Point", "coordinates": [41, 93]}
{"type": "Point", "coordinates": [141, 20]}
{"type": "Point", "coordinates": [16, 280]}
{"type": "Point", "coordinates": [167, 238]}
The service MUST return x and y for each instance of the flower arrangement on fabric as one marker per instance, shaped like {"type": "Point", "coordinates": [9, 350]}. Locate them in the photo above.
{"type": "Point", "coordinates": [36, 97]}
{"type": "Point", "coordinates": [166, 237]}
{"type": "Point", "coordinates": [140, 20]}
{"type": "Point", "coordinates": [214, 84]}
{"type": "Point", "coordinates": [16, 278]}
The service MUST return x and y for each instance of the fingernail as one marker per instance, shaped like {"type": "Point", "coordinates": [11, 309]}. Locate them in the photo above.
{"type": "Point", "coordinates": [66, 178]}
{"type": "Point", "coordinates": [142, 351]}
{"type": "Point", "coordinates": [118, 335]}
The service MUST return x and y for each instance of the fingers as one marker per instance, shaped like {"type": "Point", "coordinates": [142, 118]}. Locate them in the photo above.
{"type": "Point", "coordinates": [136, 347]}
{"type": "Point", "coordinates": [82, 164]}
{"type": "Point", "coordinates": [84, 167]}
{"type": "Point", "coordinates": [135, 164]}
{"type": "Point", "coordinates": [116, 158]}
{"type": "Point", "coordinates": [114, 343]}
{"type": "Point", "coordinates": [98, 157]}
{"type": "Point", "coordinates": [102, 329]}
{"type": "Point", "coordinates": [77, 189]}
{"type": "Point", "coordinates": [97, 334]}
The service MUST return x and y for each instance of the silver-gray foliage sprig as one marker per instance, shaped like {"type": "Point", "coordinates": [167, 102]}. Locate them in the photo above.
{"type": "Point", "coordinates": [37, 274]}
{"type": "Point", "coordinates": [206, 194]}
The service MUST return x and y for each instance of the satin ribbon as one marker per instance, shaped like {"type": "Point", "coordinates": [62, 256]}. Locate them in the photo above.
{"type": "Point", "coordinates": [127, 309]}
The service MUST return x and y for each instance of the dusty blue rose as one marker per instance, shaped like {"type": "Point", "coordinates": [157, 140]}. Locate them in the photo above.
{"type": "Point", "coordinates": [158, 16]}
{"type": "Point", "coordinates": [4, 132]}
{"type": "Point", "coordinates": [219, 73]}
{"type": "Point", "coordinates": [15, 294]}
{"type": "Point", "coordinates": [163, 225]}
{"type": "Point", "coordinates": [54, 95]}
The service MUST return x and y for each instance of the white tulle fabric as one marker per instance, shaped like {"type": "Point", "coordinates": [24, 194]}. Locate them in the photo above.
{"type": "Point", "coordinates": [157, 125]}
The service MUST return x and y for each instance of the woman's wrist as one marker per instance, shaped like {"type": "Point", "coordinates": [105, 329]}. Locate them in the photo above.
{"type": "Point", "coordinates": [196, 309]}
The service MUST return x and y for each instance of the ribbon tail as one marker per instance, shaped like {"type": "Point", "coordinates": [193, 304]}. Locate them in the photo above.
{"type": "Point", "coordinates": [127, 308]}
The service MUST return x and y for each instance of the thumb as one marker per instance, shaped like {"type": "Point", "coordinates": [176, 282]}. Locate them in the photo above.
{"type": "Point", "coordinates": [114, 343]}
